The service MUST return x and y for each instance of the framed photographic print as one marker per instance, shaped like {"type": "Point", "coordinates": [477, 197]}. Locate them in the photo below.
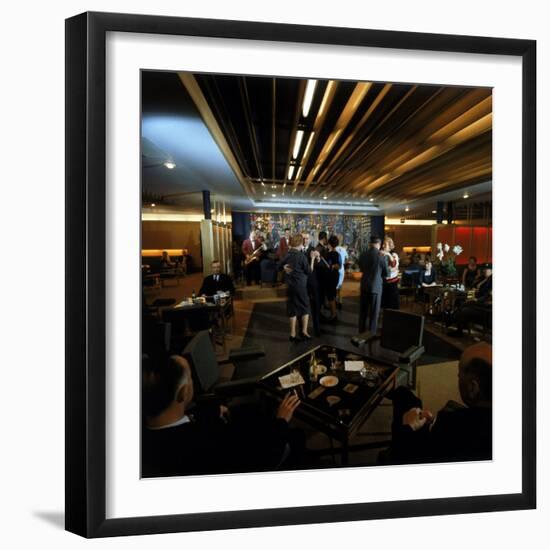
{"type": "Point", "coordinates": [281, 294]}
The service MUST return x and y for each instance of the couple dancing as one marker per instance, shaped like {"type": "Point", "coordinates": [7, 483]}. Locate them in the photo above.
{"type": "Point", "coordinates": [306, 271]}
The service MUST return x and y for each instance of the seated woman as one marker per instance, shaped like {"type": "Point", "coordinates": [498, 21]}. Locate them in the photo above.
{"type": "Point", "coordinates": [297, 269]}
{"type": "Point", "coordinates": [427, 278]}
{"type": "Point", "coordinates": [471, 274]}
{"type": "Point", "coordinates": [166, 262]}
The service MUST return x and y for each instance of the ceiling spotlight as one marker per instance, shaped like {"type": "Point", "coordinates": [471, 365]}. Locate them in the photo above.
{"type": "Point", "coordinates": [406, 209]}
{"type": "Point", "coordinates": [297, 143]}
{"type": "Point", "coordinates": [170, 164]}
{"type": "Point", "coordinates": [308, 97]}
{"type": "Point", "coordinates": [325, 197]}
{"type": "Point", "coordinates": [434, 211]}
{"type": "Point", "coordinates": [273, 195]}
{"type": "Point", "coordinates": [465, 196]}
{"type": "Point", "coordinates": [153, 205]}
{"type": "Point", "coordinates": [371, 199]}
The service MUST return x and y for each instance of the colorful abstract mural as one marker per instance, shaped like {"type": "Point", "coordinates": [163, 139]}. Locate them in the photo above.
{"type": "Point", "coordinates": [353, 231]}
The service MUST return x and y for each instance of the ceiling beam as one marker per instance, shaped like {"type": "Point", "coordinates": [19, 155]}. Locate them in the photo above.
{"type": "Point", "coordinates": [194, 90]}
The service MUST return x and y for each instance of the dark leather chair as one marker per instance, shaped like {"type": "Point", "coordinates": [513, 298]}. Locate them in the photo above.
{"type": "Point", "coordinates": [156, 337]}
{"type": "Point", "coordinates": [400, 343]}
{"type": "Point", "coordinates": [213, 377]}
{"type": "Point", "coordinates": [186, 323]}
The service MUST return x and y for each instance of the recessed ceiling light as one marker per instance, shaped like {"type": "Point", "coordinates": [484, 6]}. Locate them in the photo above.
{"type": "Point", "coordinates": [406, 209]}
{"type": "Point", "coordinates": [273, 195]}
{"type": "Point", "coordinates": [371, 199]}
{"type": "Point", "coordinates": [465, 196]}
{"type": "Point", "coordinates": [170, 164]}
{"type": "Point", "coordinates": [265, 192]}
{"type": "Point", "coordinates": [153, 205]}
{"type": "Point", "coordinates": [434, 211]}
{"type": "Point", "coordinates": [308, 97]}
{"type": "Point", "coordinates": [325, 197]}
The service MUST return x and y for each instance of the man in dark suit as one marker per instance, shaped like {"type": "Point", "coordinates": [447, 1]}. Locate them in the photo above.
{"type": "Point", "coordinates": [459, 431]}
{"type": "Point", "coordinates": [374, 268]}
{"type": "Point", "coordinates": [206, 439]}
{"type": "Point", "coordinates": [216, 282]}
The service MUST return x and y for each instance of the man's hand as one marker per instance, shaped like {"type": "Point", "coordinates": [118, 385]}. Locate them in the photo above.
{"type": "Point", "coordinates": [224, 413]}
{"type": "Point", "coordinates": [288, 406]}
{"type": "Point", "coordinates": [287, 269]}
{"type": "Point", "coordinates": [416, 418]}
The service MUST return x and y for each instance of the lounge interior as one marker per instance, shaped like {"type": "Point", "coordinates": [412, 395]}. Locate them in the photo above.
{"type": "Point", "coordinates": [227, 157]}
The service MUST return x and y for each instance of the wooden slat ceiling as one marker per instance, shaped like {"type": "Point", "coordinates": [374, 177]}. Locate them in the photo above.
{"type": "Point", "coordinates": [361, 140]}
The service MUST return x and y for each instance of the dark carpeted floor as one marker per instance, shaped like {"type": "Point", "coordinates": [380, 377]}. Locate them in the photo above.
{"type": "Point", "coordinates": [268, 327]}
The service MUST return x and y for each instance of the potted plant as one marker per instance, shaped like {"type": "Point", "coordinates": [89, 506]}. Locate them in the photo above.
{"type": "Point", "coordinates": [446, 264]}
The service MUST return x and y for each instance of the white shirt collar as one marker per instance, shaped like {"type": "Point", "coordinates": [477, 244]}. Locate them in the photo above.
{"type": "Point", "coordinates": [183, 420]}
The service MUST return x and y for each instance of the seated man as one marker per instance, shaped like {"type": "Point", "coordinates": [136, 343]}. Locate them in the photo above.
{"type": "Point", "coordinates": [177, 441]}
{"type": "Point", "coordinates": [217, 282]}
{"type": "Point", "coordinates": [457, 433]}
{"type": "Point", "coordinates": [478, 310]}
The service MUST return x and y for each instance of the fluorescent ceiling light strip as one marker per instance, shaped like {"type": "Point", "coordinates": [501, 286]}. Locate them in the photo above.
{"type": "Point", "coordinates": [308, 97]}
{"type": "Point", "coordinates": [290, 171]}
{"type": "Point", "coordinates": [297, 143]}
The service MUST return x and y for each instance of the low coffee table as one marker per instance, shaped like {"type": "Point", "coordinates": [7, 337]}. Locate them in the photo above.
{"type": "Point", "coordinates": [337, 411]}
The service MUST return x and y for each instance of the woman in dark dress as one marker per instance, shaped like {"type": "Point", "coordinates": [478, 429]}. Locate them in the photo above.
{"type": "Point", "coordinates": [297, 269]}
{"type": "Point", "coordinates": [427, 278]}
{"type": "Point", "coordinates": [333, 260]}
{"type": "Point", "coordinates": [470, 275]}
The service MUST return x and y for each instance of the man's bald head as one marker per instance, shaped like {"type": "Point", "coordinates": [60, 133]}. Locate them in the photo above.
{"type": "Point", "coordinates": [475, 375]}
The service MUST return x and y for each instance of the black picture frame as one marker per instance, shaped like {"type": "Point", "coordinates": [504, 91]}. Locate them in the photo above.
{"type": "Point", "coordinates": [86, 277]}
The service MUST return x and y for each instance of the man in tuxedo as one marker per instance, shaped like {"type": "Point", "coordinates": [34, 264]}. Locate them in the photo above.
{"type": "Point", "coordinates": [208, 438]}
{"type": "Point", "coordinates": [284, 244]}
{"type": "Point", "coordinates": [252, 268]}
{"type": "Point", "coordinates": [216, 282]}
{"type": "Point", "coordinates": [374, 270]}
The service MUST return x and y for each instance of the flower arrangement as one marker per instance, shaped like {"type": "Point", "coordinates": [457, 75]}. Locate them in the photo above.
{"type": "Point", "coordinates": [447, 258]}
